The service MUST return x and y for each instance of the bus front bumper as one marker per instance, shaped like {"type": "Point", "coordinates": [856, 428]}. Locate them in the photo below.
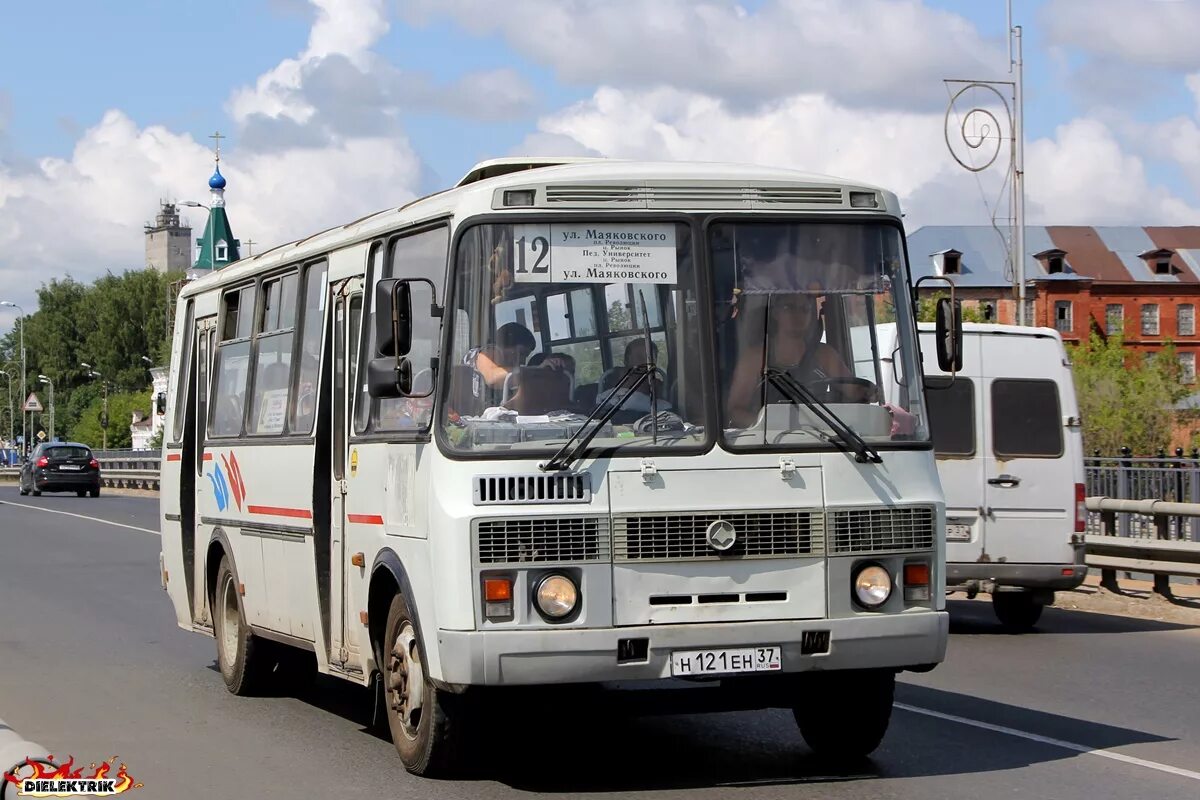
{"type": "Point", "coordinates": [511, 658]}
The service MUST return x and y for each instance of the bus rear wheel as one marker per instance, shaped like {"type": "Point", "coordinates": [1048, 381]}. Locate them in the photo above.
{"type": "Point", "coordinates": [243, 658]}
{"type": "Point", "coordinates": [845, 714]}
{"type": "Point", "coordinates": [424, 721]}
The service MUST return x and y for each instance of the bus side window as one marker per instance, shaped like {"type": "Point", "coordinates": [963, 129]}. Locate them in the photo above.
{"type": "Point", "coordinates": [421, 255]}
{"type": "Point", "coordinates": [273, 355]}
{"type": "Point", "coordinates": [305, 407]}
{"type": "Point", "coordinates": [232, 363]}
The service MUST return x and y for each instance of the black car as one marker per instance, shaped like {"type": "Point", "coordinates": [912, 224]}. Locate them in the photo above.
{"type": "Point", "coordinates": [61, 467]}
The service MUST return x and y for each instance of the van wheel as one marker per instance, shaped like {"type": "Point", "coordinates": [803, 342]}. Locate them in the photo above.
{"type": "Point", "coordinates": [843, 715]}
{"type": "Point", "coordinates": [424, 721]}
{"type": "Point", "coordinates": [1017, 611]}
{"type": "Point", "coordinates": [243, 658]}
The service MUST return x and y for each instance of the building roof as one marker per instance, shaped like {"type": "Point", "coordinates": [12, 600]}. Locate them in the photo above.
{"type": "Point", "coordinates": [1104, 253]}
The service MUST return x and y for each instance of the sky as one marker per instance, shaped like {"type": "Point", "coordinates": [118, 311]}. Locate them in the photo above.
{"type": "Point", "coordinates": [336, 108]}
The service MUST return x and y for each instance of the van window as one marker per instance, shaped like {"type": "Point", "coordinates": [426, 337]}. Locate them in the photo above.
{"type": "Point", "coordinates": [1026, 419]}
{"type": "Point", "coordinates": [951, 415]}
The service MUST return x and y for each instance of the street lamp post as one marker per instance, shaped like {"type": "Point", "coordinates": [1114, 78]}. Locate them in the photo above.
{"type": "Point", "coordinates": [212, 255]}
{"type": "Point", "coordinates": [103, 414]}
{"type": "Point", "coordinates": [50, 384]}
{"type": "Point", "coordinates": [21, 319]}
{"type": "Point", "coordinates": [12, 421]}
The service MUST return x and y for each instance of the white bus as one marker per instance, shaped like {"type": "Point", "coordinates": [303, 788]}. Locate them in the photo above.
{"type": "Point", "coordinates": [567, 422]}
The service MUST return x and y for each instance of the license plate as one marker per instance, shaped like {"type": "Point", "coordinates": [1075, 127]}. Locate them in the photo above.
{"type": "Point", "coordinates": [722, 662]}
{"type": "Point", "coordinates": [958, 533]}
{"type": "Point", "coordinates": [71, 466]}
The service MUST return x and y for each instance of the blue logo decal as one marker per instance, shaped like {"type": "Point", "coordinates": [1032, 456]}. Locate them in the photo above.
{"type": "Point", "coordinates": [220, 486]}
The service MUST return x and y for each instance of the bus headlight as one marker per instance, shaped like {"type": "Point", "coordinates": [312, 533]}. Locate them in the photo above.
{"type": "Point", "coordinates": [556, 596]}
{"type": "Point", "coordinates": [872, 585]}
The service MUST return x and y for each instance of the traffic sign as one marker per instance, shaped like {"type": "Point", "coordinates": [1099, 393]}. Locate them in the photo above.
{"type": "Point", "coordinates": [33, 404]}
{"type": "Point", "coordinates": [41, 437]}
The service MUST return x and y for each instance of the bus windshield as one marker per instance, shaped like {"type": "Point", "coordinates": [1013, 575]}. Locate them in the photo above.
{"type": "Point", "coordinates": [802, 304]}
{"type": "Point", "coordinates": [554, 321]}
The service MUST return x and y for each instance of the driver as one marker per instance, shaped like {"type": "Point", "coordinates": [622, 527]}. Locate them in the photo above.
{"type": "Point", "coordinates": [792, 343]}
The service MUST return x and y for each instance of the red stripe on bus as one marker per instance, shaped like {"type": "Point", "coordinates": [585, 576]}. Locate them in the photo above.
{"type": "Point", "coordinates": [366, 519]}
{"type": "Point", "coordinates": [299, 513]}
{"type": "Point", "coordinates": [174, 456]}
{"type": "Point", "coordinates": [208, 456]}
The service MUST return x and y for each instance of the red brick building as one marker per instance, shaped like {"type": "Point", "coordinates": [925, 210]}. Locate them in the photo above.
{"type": "Point", "coordinates": [1141, 282]}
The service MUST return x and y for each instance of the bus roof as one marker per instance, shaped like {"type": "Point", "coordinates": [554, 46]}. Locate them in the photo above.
{"type": "Point", "coordinates": [615, 180]}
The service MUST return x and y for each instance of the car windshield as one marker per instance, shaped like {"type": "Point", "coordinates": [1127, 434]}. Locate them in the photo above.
{"type": "Point", "coordinates": [552, 321]}
{"type": "Point", "coordinates": [810, 303]}
{"type": "Point", "coordinates": [67, 452]}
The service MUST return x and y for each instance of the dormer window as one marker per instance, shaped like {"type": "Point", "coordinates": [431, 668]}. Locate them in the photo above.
{"type": "Point", "coordinates": [222, 251]}
{"type": "Point", "coordinates": [1159, 261]}
{"type": "Point", "coordinates": [1053, 260]}
{"type": "Point", "coordinates": [949, 262]}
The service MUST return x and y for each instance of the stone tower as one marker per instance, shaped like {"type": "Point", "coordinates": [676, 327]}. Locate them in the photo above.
{"type": "Point", "coordinates": [168, 241]}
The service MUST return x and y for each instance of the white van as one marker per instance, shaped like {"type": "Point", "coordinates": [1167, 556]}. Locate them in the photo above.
{"type": "Point", "coordinates": [1009, 446]}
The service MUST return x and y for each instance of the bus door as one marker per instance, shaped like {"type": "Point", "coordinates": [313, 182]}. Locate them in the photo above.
{"type": "Point", "coordinates": [346, 309]}
{"type": "Point", "coordinates": [194, 485]}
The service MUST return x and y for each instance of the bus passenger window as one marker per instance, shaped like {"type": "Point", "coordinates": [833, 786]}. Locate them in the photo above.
{"type": "Point", "coordinates": [305, 408]}
{"type": "Point", "coordinates": [231, 365]}
{"type": "Point", "coordinates": [273, 356]}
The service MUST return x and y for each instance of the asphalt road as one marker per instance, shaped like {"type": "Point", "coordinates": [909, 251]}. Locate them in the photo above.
{"type": "Point", "coordinates": [92, 665]}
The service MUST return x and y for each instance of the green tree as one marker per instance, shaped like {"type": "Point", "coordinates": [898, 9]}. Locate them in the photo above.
{"type": "Point", "coordinates": [120, 414]}
{"type": "Point", "coordinates": [1126, 399]}
{"type": "Point", "coordinates": [927, 309]}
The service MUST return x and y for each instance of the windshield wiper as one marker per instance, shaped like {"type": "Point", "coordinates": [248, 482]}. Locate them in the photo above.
{"type": "Point", "coordinates": [798, 393]}
{"type": "Point", "coordinates": [575, 446]}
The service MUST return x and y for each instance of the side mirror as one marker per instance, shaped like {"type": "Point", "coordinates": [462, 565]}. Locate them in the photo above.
{"type": "Point", "coordinates": [389, 376]}
{"type": "Point", "coordinates": [160, 403]}
{"type": "Point", "coordinates": [949, 335]}
{"type": "Point", "coordinates": [393, 317]}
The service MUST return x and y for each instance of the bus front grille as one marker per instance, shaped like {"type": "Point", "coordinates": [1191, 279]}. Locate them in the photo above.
{"type": "Point", "coordinates": [685, 537]}
{"type": "Point", "coordinates": [880, 530]}
{"type": "Point", "coordinates": [540, 540]}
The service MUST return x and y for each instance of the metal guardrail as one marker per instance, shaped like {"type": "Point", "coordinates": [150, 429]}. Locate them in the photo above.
{"type": "Point", "coordinates": [122, 469]}
{"type": "Point", "coordinates": [1165, 552]}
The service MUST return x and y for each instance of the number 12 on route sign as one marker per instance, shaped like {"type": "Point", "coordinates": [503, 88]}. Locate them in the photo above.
{"type": "Point", "coordinates": [531, 253]}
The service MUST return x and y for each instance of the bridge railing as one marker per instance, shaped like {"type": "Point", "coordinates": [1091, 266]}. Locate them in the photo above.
{"type": "Point", "coordinates": [1160, 543]}
{"type": "Point", "coordinates": [1174, 480]}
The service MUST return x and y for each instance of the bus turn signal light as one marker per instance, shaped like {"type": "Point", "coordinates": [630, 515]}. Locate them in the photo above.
{"type": "Point", "coordinates": [498, 598]}
{"type": "Point", "coordinates": [916, 582]}
{"type": "Point", "coordinates": [358, 560]}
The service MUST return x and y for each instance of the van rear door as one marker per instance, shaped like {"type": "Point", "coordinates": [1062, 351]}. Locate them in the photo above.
{"type": "Point", "coordinates": [956, 419]}
{"type": "Point", "coordinates": [1030, 484]}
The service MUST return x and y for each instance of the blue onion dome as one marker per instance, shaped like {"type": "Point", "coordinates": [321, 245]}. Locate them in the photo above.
{"type": "Point", "coordinates": [217, 181]}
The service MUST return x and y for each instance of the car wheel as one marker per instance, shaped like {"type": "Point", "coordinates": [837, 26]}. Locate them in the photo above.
{"type": "Point", "coordinates": [81, 492]}
{"type": "Point", "coordinates": [95, 492]}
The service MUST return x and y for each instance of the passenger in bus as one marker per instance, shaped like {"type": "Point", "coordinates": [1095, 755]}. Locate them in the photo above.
{"type": "Point", "coordinates": [492, 363]}
{"type": "Point", "coordinates": [635, 356]}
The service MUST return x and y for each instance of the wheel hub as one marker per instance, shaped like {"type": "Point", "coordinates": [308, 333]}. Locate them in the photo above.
{"type": "Point", "coordinates": [406, 680]}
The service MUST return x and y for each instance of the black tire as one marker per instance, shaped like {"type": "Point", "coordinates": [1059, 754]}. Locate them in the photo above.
{"type": "Point", "coordinates": [22, 490]}
{"type": "Point", "coordinates": [37, 493]}
{"type": "Point", "coordinates": [81, 492]}
{"type": "Point", "coordinates": [844, 715]}
{"type": "Point", "coordinates": [1019, 612]}
{"type": "Point", "coordinates": [94, 492]}
{"type": "Point", "coordinates": [426, 737]}
{"type": "Point", "coordinates": [245, 669]}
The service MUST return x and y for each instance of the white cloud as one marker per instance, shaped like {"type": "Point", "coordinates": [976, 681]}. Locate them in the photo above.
{"type": "Point", "coordinates": [1081, 176]}
{"type": "Point", "coordinates": [1158, 33]}
{"type": "Point", "coordinates": [884, 53]}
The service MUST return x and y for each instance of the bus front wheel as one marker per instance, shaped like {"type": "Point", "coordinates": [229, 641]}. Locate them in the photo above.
{"type": "Point", "coordinates": [843, 715]}
{"type": "Point", "coordinates": [424, 721]}
{"type": "Point", "coordinates": [243, 658]}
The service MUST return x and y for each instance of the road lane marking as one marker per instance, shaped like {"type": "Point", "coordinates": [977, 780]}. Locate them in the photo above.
{"type": "Point", "coordinates": [81, 516]}
{"type": "Point", "coordinates": [1033, 737]}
